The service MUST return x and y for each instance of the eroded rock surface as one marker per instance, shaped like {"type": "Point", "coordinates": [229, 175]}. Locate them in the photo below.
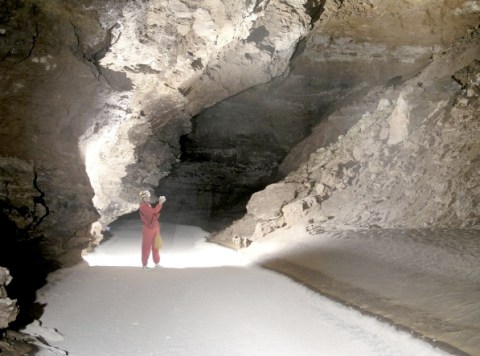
{"type": "Point", "coordinates": [96, 94]}
{"type": "Point", "coordinates": [236, 146]}
{"type": "Point", "coordinates": [8, 307]}
{"type": "Point", "coordinates": [411, 162]}
{"type": "Point", "coordinates": [97, 99]}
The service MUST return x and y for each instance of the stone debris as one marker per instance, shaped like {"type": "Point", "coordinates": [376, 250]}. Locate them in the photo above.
{"type": "Point", "coordinates": [411, 163]}
{"type": "Point", "coordinates": [17, 343]}
{"type": "Point", "coordinates": [8, 307]}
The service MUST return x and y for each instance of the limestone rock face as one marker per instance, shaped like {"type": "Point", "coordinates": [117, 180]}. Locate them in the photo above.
{"type": "Point", "coordinates": [411, 162]}
{"type": "Point", "coordinates": [8, 308]}
{"type": "Point", "coordinates": [179, 58]}
{"type": "Point", "coordinates": [239, 145]}
{"type": "Point", "coordinates": [45, 87]}
{"type": "Point", "coordinates": [98, 98]}
{"type": "Point", "coordinates": [96, 94]}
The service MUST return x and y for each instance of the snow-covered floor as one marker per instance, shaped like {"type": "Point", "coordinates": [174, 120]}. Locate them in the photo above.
{"type": "Point", "coordinates": [205, 300]}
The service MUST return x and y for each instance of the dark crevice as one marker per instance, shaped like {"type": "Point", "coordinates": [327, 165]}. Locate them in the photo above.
{"type": "Point", "coordinates": [116, 80]}
{"type": "Point", "coordinates": [105, 47]}
{"type": "Point", "coordinates": [77, 37]}
{"type": "Point", "coordinates": [34, 41]}
{"type": "Point", "coordinates": [260, 5]}
{"type": "Point", "coordinates": [39, 200]}
{"type": "Point", "coordinates": [315, 9]}
{"type": "Point", "coordinates": [88, 59]}
{"type": "Point", "coordinates": [16, 52]}
{"type": "Point", "coordinates": [22, 253]}
{"type": "Point", "coordinates": [299, 49]}
{"type": "Point", "coordinates": [22, 256]}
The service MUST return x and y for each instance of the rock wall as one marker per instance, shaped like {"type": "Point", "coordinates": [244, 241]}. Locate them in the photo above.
{"type": "Point", "coordinates": [237, 147]}
{"type": "Point", "coordinates": [97, 97]}
{"type": "Point", "coordinates": [96, 94]}
{"type": "Point", "coordinates": [8, 308]}
{"type": "Point", "coordinates": [181, 58]}
{"type": "Point", "coordinates": [411, 162]}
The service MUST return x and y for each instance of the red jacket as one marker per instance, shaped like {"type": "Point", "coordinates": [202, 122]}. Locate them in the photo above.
{"type": "Point", "coordinates": [149, 215]}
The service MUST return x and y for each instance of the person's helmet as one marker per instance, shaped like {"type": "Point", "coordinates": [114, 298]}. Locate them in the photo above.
{"type": "Point", "coordinates": [144, 194]}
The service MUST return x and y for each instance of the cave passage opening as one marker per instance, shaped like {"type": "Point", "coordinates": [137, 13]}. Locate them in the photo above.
{"type": "Point", "coordinates": [234, 149]}
{"type": "Point", "coordinates": [184, 246]}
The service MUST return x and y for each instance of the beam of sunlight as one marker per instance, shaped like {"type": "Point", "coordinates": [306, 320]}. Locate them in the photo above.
{"type": "Point", "coordinates": [184, 247]}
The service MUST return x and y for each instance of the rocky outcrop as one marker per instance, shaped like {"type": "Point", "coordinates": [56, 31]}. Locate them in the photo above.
{"type": "Point", "coordinates": [46, 85]}
{"type": "Point", "coordinates": [239, 146]}
{"type": "Point", "coordinates": [8, 308]}
{"type": "Point", "coordinates": [411, 162]}
{"type": "Point", "coordinates": [180, 58]}
{"type": "Point", "coordinates": [362, 114]}
{"type": "Point", "coordinates": [96, 95]}
{"type": "Point", "coordinates": [97, 100]}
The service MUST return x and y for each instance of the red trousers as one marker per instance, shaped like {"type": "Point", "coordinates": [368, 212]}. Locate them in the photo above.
{"type": "Point", "coordinates": [147, 245]}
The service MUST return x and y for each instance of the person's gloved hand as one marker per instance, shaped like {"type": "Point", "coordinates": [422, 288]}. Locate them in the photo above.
{"type": "Point", "coordinates": [162, 199]}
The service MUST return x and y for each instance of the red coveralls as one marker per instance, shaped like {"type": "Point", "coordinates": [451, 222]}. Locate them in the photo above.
{"type": "Point", "coordinates": [151, 227]}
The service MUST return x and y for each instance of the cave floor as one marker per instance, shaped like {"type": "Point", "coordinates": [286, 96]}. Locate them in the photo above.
{"type": "Point", "coordinates": [423, 280]}
{"type": "Point", "coordinates": [204, 300]}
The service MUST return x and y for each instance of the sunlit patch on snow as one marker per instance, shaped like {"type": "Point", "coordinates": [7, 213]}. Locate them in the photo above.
{"type": "Point", "coordinates": [184, 247]}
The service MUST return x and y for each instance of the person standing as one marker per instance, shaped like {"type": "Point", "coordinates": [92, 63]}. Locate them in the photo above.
{"type": "Point", "coordinates": [151, 227]}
